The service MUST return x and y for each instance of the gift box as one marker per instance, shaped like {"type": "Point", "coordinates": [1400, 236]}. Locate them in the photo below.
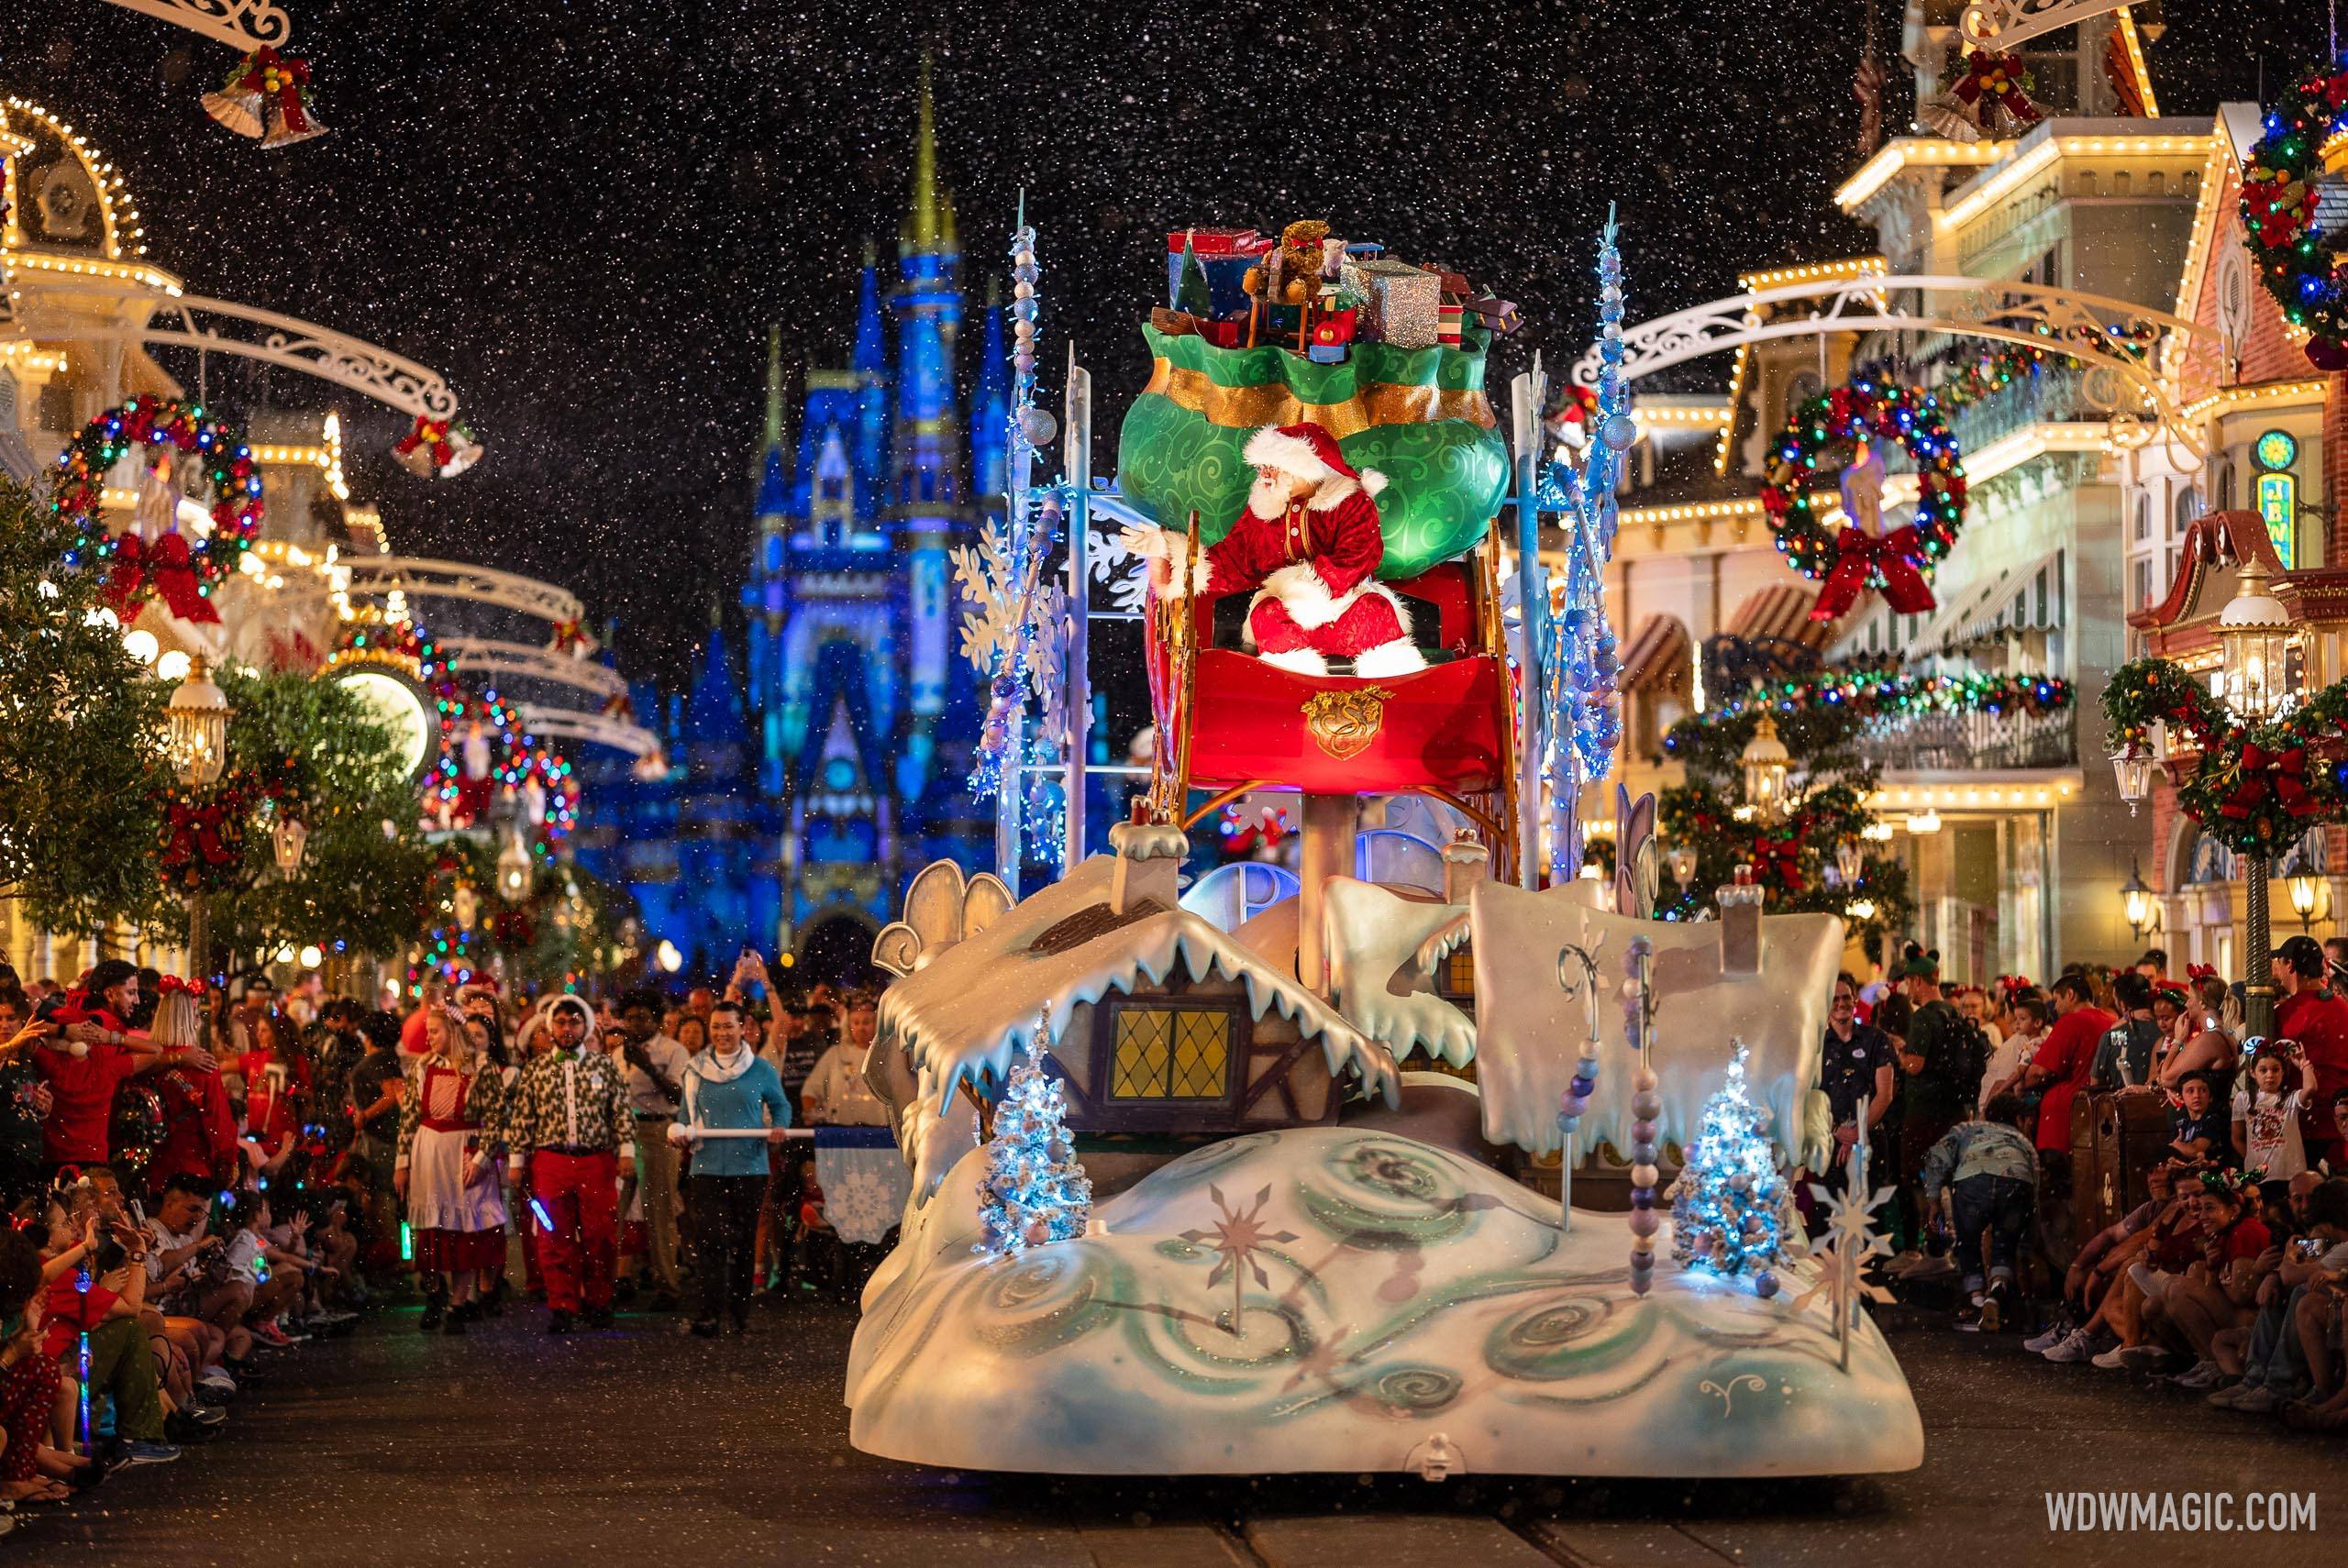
{"type": "Point", "coordinates": [1400, 303]}
{"type": "Point", "coordinates": [1224, 254]}
{"type": "Point", "coordinates": [1447, 315]}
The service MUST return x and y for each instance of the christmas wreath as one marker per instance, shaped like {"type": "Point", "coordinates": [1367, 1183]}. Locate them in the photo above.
{"type": "Point", "coordinates": [184, 573]}
{"type": "Point", "coordinates": [2279, 205]}
{"type": "Point", "coordinates": [206, 828]}
{"type": "Point", "coordinates": [2256, 788]}
{"type": "Point", "coordinates": [1898, 564]}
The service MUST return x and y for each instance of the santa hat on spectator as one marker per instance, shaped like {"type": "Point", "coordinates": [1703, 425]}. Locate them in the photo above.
{"type": "Point", "coordinates": [1309, 452]}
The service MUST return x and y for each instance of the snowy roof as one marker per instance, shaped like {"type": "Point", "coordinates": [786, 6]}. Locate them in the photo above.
{"type": "Point", "coordinates": [965, 1015]}
{"type": "Point", "coordinates": [1376, 932]}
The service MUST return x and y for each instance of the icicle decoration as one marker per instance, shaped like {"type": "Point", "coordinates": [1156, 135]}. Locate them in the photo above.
{"type": "Point", "coordinates": [1585, 724]}
{"type": "Point", "coordinates": [1015, 634]}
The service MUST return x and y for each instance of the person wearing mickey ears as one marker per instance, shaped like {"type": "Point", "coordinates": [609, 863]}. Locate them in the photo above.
{"type": "Point", "coordinates": [729, 1086]}
{"type": "Point", "coordinates": [89, 1056]}
{"type": "Point", "coordinates": [567, 1116]}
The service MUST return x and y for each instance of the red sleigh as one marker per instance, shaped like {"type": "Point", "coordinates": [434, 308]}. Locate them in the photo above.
{"type": "Point", "coordinates": [1447, 732]}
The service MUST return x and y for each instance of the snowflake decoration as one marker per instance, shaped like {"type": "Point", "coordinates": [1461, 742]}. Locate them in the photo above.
{"type": "Point", "coordinates": [1852, 1238]}
{"type": "Point", "coordinates": [1118, 569]}
{"type": "Point", "coordinates": [1238, 1238]}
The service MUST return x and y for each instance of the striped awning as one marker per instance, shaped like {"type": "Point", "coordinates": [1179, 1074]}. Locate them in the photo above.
{"type": "Point", "coordinates": [1658, 656]}
{"type": "Point", "coordinates": [1782, 611]}
{"type": "Point", "coordinates": [2023, 598]}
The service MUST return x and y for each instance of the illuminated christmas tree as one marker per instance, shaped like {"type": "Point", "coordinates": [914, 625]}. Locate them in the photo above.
{"type": "Point", "coordinates": [1727, 1206]}
{"type": "Point", "coordinates": [1034, 1191]}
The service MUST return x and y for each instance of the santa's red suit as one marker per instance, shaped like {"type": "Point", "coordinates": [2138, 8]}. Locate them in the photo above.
{"type": "Point", "coordinates": [1311, 561]}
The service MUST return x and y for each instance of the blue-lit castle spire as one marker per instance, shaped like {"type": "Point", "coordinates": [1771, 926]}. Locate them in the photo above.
{"type": "Point", "coordinates": [843, 771]}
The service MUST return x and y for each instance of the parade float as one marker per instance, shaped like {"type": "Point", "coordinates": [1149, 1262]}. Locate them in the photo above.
{"type": "Point", "coordinates": [1182, 1199]}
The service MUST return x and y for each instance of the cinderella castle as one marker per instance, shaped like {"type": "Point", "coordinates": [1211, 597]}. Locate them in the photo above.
{"type": "Point", "coordinates": [809, 781]}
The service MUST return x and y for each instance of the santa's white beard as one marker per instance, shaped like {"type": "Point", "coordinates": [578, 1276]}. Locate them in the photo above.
{"type": "Point", "coordinates": [1268, 498]}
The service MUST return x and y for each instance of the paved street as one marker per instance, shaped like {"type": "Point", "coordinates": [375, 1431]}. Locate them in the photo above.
{"type": "Point", "coordinates": [641, 1447]}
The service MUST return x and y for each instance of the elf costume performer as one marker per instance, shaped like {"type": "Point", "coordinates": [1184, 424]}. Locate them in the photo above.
{"type": "Point", "coordinates": [1308, 547]}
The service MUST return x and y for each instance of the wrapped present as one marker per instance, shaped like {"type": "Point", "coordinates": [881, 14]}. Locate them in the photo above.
{"type": "Point", "coordinates": [1400, 304]}
{"type": "Point", "coordinates": [1224, 334]}
{"type": "Point", "coordinates": [1447, 315]}
{"type": "Point", "coordinates": [1223, 254]}
{"type": "Point", "coordinates": [1498, 316]}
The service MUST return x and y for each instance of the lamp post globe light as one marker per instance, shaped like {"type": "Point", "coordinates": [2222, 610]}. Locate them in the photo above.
{"type": "Point", "coordinates": [514, 869]}
{"type": "Point", "coordinates": [2254, 634]}
{"type": "Point", "coordinates": [2137, 903]}
{"type": "Point", "coordinates": [2302, 886]}
{"type": "Point", "coordinates": [289, 835]}
{"type": "Point", "coordinates": [1766, 763]}
{"type": "Point", "coordinates": [196, 736]}
{"type": "Point", "coordinates": [195, 742]}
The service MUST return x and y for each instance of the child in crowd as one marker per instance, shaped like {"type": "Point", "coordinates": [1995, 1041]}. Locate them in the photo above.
{"type": "Point", "coordinates": [2266, 1116]}
{"type": "Point", "coordinates": [2197, 1130]}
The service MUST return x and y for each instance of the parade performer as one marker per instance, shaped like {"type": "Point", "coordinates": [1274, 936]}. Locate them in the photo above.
{"type": "Point", "coordinates": [447, 1170]}
{"type": "Point", "coordinates": [568, 1115]}
{"type": "Point", "coordinates": [727, 1086]}
{"type": "Point", "coordinates": [1308, 547]}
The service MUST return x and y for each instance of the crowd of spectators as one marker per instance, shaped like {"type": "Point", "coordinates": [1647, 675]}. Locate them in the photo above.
{"type": "Point", "coordinates": [201, 1181]}
{"type": "Point", "coordinates": [1977, 1106]}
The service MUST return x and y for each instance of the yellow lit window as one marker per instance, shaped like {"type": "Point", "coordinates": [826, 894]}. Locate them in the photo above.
{"type": "Point", "coordinates": [1459, 973]}
{"type": "Point", "coordinates": [1171, 1054]}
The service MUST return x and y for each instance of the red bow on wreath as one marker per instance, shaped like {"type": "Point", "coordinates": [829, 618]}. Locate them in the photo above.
{"type": "Point", "coordinates": [1780, 858]}
{"type": "Point", "coordinates": [2279, 774]}
{"type": "Point", "coordinates": [190, 833]}
{"type": "Point", "coordinates": [167, 566]}
{"type": "Point", "coordinates": [1890, 562]}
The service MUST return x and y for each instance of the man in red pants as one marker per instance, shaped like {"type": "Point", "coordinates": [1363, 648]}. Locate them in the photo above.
{"type": "Point", "coordinates": [568, 1113]}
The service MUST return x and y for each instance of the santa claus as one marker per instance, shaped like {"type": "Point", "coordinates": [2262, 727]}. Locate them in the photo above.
{"type": "Point", "coordinates": [1308, 547]}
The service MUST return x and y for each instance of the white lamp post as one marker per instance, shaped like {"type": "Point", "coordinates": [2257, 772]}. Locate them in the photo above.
{"type": "Point", "coordinates": [2254, 632]}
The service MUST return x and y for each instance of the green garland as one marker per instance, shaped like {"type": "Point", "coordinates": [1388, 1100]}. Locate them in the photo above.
{"type": "Point", "coordinates": [2256, 788]}
{"type": "Point", "coordinates": [2296, 261]}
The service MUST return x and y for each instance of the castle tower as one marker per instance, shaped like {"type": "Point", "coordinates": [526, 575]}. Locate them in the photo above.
{"type": "Point", "coordinates": [766, 594]}
{"type": "Point", "coordinates": [924, 476]}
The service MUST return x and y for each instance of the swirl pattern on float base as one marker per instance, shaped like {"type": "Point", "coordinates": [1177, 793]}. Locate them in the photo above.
{"type": "Point", "coordinates": [1328, 1299]}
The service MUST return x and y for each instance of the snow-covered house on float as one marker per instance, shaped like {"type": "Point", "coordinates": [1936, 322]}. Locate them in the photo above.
{"type": "Point", "coordinates": [1160, 1025]}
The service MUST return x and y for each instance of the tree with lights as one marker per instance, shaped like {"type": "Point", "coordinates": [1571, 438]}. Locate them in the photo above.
{"type": "Point", "coordinates": [1728, 1205]}
{"type": "Point", "coordinates": [1805, 835]}
{"type": "Point", "coordinates": [338, 877]}
{"type": "Point", "coordinates": [1035, 1191]}
{"type": "Point", "coordinates": [80, 768]}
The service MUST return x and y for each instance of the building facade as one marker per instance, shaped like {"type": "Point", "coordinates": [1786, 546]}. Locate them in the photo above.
{"type": "Point", "coordinates": [2010, 827]}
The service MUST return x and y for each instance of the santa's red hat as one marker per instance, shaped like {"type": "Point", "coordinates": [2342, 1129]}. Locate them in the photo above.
{"type": "Point", "coordinates": [1309, 452]}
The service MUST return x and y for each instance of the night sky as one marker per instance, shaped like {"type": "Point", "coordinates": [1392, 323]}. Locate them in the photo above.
{"type": "Point", "coordinates": [586, 213]}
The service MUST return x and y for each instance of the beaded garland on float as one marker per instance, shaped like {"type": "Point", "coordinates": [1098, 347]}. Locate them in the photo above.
{"type": "Point", "coordinates": [185, 574]}
{"type": "Point", "coordinates": [2295, 262]}
{"type": "Point", "coordinates": [1898, 564]}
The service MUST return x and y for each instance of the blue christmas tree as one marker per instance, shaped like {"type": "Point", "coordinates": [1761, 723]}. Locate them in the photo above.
{"type": "Point", "coordinates": [1033, 1190]}
{"type": "Point", "coordinates": [1727, 1206]}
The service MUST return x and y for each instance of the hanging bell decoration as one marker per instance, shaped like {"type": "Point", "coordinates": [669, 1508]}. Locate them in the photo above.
{"type": "Point", "coordinates": [236, 107]}
{"type": "Point", "coordinates": [436, 447]}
